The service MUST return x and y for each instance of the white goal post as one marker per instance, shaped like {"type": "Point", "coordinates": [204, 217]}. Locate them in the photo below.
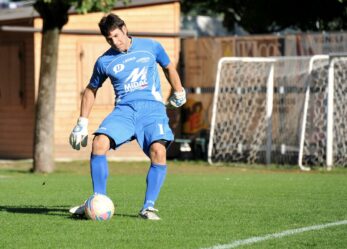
{"type": "Point", "coordinates": [290, 110]}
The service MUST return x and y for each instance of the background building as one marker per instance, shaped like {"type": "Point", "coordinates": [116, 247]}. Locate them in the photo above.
{"type": "Point", "coordinates": [80, 45]}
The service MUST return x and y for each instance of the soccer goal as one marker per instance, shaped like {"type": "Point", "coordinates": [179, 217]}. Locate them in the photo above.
{"type": "Point", "coordinates": [290, 110]}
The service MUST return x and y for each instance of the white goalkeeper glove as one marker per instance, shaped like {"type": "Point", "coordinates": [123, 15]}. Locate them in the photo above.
{"type": "Point", "coordinates": [79, 134]}
{"type": "Point", "coordinates": [177, 99]}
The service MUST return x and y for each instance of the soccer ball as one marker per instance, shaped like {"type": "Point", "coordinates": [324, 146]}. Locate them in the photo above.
{"type": "Point", "coordinates": [99, 207]}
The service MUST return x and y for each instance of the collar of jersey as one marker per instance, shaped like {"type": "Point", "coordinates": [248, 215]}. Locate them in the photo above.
{"type": "Point", "coordinates": [130, 47]}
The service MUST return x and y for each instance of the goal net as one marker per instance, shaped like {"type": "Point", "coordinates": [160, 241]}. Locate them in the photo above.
{"type": "Point", "coordinates": [289, 110]}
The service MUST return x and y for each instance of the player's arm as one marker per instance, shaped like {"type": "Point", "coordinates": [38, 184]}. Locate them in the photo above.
{"type": "Point", "coordinates": [79, 134]}
{"type": "Point", "coordinates": [87, 102]}
{"type": "Point", "coordinates": [172, 76]}
{"type": "Point", "coordinates": [178, 98]}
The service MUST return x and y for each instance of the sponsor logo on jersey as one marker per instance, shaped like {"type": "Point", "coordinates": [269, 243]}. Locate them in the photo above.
{"type": "Point", "coordinates": [137, 80]}
{"type": "Point", "coordinates": [118, 68]}
{"type": "Point", "coordinates": [143, 60]}
{"type": "Point", "coordinates": [129, 59]}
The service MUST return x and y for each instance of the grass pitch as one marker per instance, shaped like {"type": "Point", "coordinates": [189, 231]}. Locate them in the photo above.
{"type": "Point", "coordinates": [201, 206]}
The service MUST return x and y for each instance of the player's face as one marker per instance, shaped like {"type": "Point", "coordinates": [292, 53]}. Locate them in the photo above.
{"type": "Point", "coordinates": [118, 39]}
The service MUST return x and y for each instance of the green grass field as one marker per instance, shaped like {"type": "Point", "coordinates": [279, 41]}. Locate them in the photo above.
{"type": "Point", "coordinates": [201, 206]}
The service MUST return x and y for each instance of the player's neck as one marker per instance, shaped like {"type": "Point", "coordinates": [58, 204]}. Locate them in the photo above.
{"type": "Point", "coordinates": [130, 42]}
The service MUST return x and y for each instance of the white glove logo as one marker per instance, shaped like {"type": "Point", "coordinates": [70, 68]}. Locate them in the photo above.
{"type": "Point", "coordinates": [177, 99]}
{"type": "Point", "coordinates": [79, 134]}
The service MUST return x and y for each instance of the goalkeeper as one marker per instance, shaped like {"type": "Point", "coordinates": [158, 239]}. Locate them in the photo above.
{"type": "Point", "coordinates": [139, 113]}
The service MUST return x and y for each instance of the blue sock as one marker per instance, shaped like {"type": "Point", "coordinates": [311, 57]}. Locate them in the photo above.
{"type": "Point", "coordinates": [155, 179]}
{"type": "Point", "coordinates": [99, 173]}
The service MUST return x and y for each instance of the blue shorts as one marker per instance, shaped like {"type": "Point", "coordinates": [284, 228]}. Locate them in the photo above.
{"type": "Point", "coordinates": [145, 121]}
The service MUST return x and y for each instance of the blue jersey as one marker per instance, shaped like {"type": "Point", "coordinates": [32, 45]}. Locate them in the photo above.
{"type": "Point", "coordinates": [134, 74]}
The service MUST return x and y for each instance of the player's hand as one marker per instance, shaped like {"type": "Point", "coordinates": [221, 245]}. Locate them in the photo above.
{"type": "Point", "coordinates": [79, 134]}
{"type": "Point", "coordinates": [177, 99]}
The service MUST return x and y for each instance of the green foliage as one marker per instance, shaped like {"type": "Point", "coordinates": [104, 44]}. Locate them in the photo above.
{"type": "Point", "coordinates": [263, 16]}
{"type": "Point", "coordinates": [91, 5]}
{"type": "Point", "coordinates": [200, 205]}
{"type": "Point", "coordinates": [85, 6]}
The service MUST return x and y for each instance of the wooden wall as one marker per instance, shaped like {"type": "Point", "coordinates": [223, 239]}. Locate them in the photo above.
{"type": "Point", "coordinates": [77, 55]}
{"type": "Point", "coordinates": [16, 93]}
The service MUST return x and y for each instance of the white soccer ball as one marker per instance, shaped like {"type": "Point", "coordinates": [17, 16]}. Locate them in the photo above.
{"type": "Point", "coordinates": [99, 207]}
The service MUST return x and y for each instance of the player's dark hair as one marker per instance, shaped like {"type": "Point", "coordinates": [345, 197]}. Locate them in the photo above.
{"type": "Point", "coordinates": [109, 23]}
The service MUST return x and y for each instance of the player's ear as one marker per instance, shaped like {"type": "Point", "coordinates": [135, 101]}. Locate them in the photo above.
{"type": "Point", "coordinates": [125, 29]}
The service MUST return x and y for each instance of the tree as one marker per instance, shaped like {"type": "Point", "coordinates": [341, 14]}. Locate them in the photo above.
{"type": "Point", "coordinates": [264, 16]}
{"type": "Point", "coordinates": [54, 14]}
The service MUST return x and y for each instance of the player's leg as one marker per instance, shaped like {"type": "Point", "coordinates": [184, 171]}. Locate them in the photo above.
{"type": "Point", "coordinates": [98, 169]}
{"type": "Point", "coordinates": [98, 163]}
{"type": "Point", "coordinates": [153, 138]}
{"type": "Point", "coordinates": [155, 179]}
{"type": "Point", "coordinates": [116, 129]}
{"type": "Point", "coordinates": [156, 173]}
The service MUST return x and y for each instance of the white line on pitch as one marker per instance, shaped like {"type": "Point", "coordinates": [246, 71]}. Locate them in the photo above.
{"type": "Point", "coordinates": [253, 240]}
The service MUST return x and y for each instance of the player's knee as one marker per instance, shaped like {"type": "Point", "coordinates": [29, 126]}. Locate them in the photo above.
{"type": "Point", "coordinates": [101, 144]}
{"type": "Point", "coordinates": [158, 153]}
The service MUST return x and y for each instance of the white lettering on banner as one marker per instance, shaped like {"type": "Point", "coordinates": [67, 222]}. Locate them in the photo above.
{"type": "Point", "coordinates": [269, 47]}
{"type": "Point", "coordinates": [310, 44]}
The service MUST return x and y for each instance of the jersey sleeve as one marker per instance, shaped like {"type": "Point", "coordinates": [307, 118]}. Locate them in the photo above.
{"type": "Point", "coordinates": [98, 77]}
{"type": "Point", "coordinates": [161, 56]}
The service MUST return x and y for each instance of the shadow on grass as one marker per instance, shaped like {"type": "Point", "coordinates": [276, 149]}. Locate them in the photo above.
{"type": "Point", "coordinates": [126, 215]}
{"type": "Point", "coordinates": [57, 210]}
{"type": "Point", "coordinates": [54, 211]}
{"type": "Point", "coordinates": [16, 171]}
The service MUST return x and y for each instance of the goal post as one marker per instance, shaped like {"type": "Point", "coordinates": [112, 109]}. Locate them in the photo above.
{"type": "Point", "coordinates": [312, 67]}
{"type": "Point", "coordinates": [280, 110]}
{"type": "Point", "coordinates": [337, 110]}
{"type": "Point", "coordinates": [224, 142]}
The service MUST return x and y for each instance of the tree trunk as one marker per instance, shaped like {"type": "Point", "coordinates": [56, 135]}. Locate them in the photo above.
{"type": "Point", "coordinates": [45, 105]}
{"type": "Point", "coordinates": [55, 16]}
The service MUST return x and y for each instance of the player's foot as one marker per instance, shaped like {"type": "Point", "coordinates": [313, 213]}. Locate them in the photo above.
{"type": "Point", "coordinates": [77, 210]}
{"type": "Point", "coordinates": [149, 214]}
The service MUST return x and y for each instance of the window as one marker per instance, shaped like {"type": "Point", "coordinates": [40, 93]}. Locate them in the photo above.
{"type": "Point", "coordinates": [11, 72]}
